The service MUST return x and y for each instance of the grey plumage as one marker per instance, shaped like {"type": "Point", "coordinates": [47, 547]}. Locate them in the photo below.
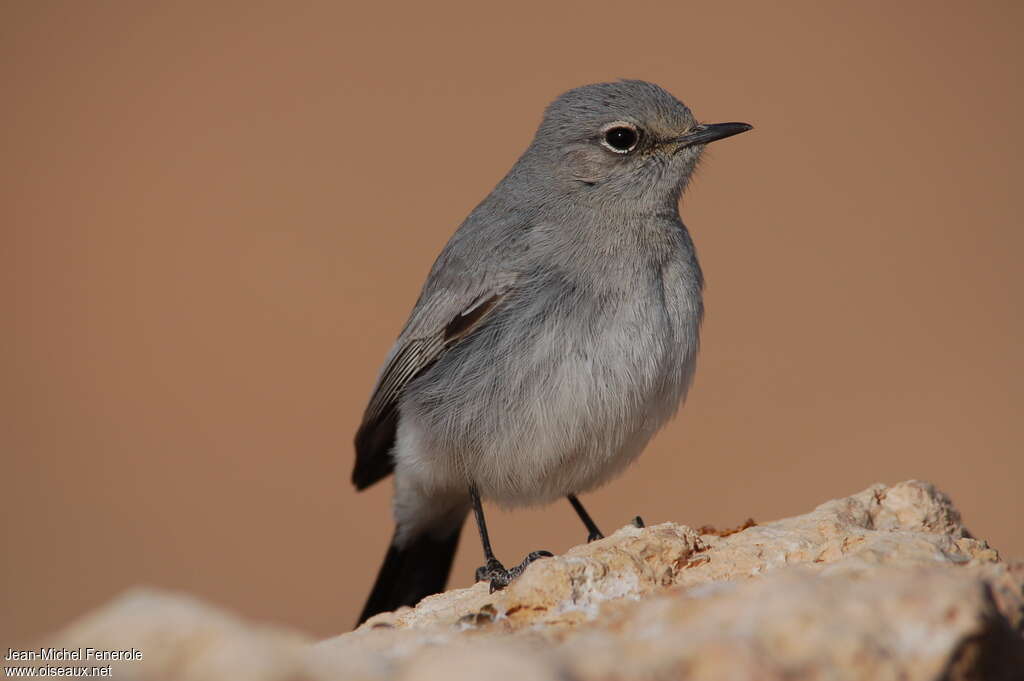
{"type": "Point", "coordinates": [557, 330]}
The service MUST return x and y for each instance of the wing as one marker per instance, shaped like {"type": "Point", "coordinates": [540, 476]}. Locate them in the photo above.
{"type": "Point", "coordinates": [475, 271]}
{"type": "Point", "coordinates": [435, 326]}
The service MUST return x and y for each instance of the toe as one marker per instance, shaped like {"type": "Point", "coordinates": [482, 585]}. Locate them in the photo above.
{"type": "Point", "coordinates": [487, 572]}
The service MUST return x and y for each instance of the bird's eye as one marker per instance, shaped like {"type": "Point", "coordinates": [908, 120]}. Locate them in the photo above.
{"type": "Point", "coordinates": [621, 137]}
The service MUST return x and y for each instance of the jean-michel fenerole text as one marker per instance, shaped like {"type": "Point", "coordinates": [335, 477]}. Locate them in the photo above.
{"type": "Point", "coordinates": [90, 654]}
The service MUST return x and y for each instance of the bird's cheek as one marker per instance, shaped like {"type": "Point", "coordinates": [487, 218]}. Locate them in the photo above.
{"type": "Point", "coordinates": [583, 165]}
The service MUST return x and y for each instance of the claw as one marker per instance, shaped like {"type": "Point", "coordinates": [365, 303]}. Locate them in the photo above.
{"type": "Point", "coordinates": [536, 555]}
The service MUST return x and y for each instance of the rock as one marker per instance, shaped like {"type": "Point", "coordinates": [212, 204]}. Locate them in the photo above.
{"type": "Point", "coordinates": [184, 639]}
{"type": "Point", "coordinates": [885, 584]}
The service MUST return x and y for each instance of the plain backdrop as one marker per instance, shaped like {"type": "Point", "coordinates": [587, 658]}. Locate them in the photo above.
{"type": "Point", "coordinates": [217, 215]}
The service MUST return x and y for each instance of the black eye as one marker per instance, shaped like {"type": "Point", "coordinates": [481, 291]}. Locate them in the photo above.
{"type": "Point", "coordinates": [621, 138]}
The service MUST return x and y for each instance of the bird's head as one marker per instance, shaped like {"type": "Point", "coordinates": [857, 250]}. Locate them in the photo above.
{"type": "Point", "coordinates": [623, 141]}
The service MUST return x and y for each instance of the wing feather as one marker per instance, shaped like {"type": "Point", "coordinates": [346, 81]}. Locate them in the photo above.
{"type": "Point", "coordinates": [409, 358]}
{"type": "Point", "coordinates": [475, 271]}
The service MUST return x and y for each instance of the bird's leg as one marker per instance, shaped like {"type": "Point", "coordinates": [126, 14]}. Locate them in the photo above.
{"type": "Point", "coordinates": [491, 564]}
{"type": "Point", "coordinates": [493, 571]}
{"type": "Point", "coordinates": [594, 532]}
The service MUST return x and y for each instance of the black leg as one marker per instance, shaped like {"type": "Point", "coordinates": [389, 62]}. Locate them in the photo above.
{"type": "Point", "coordinates": [585, 517]}
{"type": "Point", "coordinates": [493, 571]}
{"type": "Point", "coordinates": [481, 525]}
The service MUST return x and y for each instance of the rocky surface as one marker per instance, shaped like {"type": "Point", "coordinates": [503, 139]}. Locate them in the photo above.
{"type": "Point", "coordinates": [885, 584]}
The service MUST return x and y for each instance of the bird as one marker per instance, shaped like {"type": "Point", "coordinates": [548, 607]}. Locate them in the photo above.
{"type": "Point", "coordinates": [556, 332]}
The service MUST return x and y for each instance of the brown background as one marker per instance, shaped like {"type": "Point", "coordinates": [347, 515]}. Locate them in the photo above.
{"type": "Point", "coordinates": [216, 217]}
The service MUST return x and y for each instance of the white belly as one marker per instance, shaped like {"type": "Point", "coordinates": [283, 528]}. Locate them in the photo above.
{"type": "Point", "coordinates": [586, 409]}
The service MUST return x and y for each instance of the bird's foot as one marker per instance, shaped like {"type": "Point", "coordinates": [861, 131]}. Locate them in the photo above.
{"type": "Point", "coordinates": [596, 533]}
{"type": "Point", "coordinates": [500, 577]}
{"type": "Point", "coordinates": [492, 570]}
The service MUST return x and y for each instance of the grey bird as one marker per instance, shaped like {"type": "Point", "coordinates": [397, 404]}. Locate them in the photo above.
{"type": "Point", "coordinates": [556, 333]}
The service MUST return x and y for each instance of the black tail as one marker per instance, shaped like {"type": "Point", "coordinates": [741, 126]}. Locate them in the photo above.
{"type": "Point", "coordinates": [411, 573]}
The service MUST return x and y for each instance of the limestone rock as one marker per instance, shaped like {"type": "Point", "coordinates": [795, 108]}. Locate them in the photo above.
{"type": "Point", "coordinates": [885, 584]}
{"type": "Point", "coordinates": [184, 639]}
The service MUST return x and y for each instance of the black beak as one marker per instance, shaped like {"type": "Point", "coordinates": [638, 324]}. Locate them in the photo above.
{"type": "Point", "coordinates": [704, 134]}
